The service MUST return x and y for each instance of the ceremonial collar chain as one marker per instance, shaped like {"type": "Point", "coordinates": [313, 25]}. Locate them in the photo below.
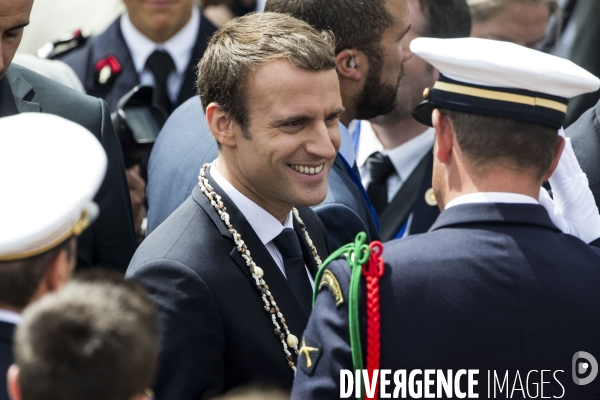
{"type": "Point", "coordinates": [286, 337]}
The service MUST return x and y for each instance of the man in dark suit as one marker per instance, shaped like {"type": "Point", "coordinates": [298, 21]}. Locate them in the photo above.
{"type": "Point", "coordinates": [585, 136]}
{"type": "Point", "coordinates": [110, 241]}
{"type": "Point", "coordinates": [231, 269]}
{"type": "Point", "coordinates": [38, 249]}
{"type": "Point", "coordinates": [494, 286]}
{"type": "Point", "coordinates": [153, 45]}
{"type": "Point", "coordinates": [394, 151]}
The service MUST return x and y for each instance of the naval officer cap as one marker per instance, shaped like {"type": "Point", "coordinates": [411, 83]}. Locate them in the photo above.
{"type": "Point", "coordinates": [50, 170]}
{"type": "Point", "coordinates": [499, 79]}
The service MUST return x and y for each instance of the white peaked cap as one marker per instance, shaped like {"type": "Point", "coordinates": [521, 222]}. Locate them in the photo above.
{"type": "Point", "coordinates": [501, 79]}
{"type": "Point", "coordinates": [503, 64]}
{"type": "Point", "coordinates": [50, 170]}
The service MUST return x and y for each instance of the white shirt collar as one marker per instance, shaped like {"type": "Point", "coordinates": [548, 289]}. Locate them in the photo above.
{"type": "Point", "coordinates": [346, 146]}
{"type": "Point", "coordinates": [10, 316]}
{"type": "Point", "coordinates": [405, 157]}
{"type": "Point", "coordinates": [179, 46]}
{"type": "Point", "coordinates": [491, 197]}
{"type": "Point", "coordinates": [266, 226]}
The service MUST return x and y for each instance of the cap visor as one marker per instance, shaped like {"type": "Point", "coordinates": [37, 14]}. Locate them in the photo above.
{"type": "Point", "coordinates": [422, 113]}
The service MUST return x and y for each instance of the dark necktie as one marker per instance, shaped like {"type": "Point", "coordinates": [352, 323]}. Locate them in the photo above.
{"type": "Point", "coordinates": [161, 65]}
{"type": "Point", "coordinates": [289, 246]}
{"type": "Point", "coordinates": [380, 168]}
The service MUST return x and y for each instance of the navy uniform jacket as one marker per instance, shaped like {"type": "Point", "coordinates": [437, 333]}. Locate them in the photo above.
{"type": "Point", "coordinates": [83, 60]}
{"type": "Point", "coordinates": [6, 355]}
{"type": "Point", "coordinates": [214, 332]}
{"type": "Point", "coordinates": [489, 287]}
{"type": "Point", "coordinates": [585, 137]}
{"type": "Point", "coordinates": [185, 144]}
{"type": "Point", "coordinates": [411, 198]}
{"type": "Point", "coordinates": [110, 241]}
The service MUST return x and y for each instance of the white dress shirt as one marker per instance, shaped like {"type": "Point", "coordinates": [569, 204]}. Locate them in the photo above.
{"type": "Point", "coordinates": [346, 146]}
{"type": "Point", "coordinates": [10, 316]}
{"type": "Point", "coordinates": [179, 48]}
{"type": "Point", "coordinates": [266, 226]}
{"type": "Point", "coordinates": [491, 197]}
{"type": "Point", "coordinates": [405, 157]}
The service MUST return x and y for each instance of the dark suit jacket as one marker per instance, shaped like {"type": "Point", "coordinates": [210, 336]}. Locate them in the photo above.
{"type": "Point", "coordinates": [110, 241]}
{"type": "Point", "coordinates": [489, 287]}
{"type": "Point", "coordinates": [6, 355]}
{"type": "Point", "coordinates": [185, 144]}
{"type": "Point", "coordinates": [83, 60]}
{"type": "Point", "coordinates": [411, 199]}
{"type": "Point", "coordinates": [214, 332]}
{"type": "Point", "coordinates": [585, 137]}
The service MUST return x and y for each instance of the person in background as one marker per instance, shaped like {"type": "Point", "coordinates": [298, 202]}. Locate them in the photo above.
{"type": "Point", "coordinates": [38, 249]}
{"type": "Point", "coordinates": [94, 339]}
{"type": "Point", "coordinates": [394, 151]}
{"type": "Point", "coordinates": [523, 22]}
{"type": "Point", "coordinates": [153, 43]}
{"type": "Point", "coordinates": [110, 241]}
{"type": "Point", "coordinates": [371, 49]}
{"type": "Point", "coordinates": [494, 285]}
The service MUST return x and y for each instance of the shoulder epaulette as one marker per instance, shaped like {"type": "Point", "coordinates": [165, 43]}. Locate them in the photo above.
{"type": "Point", "coordinates": [62, 45]}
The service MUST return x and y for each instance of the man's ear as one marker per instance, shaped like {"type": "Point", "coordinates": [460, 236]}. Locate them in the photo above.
{"type": "Point", "coordinates": [221, 125]}
{"type": "Point", "coordinates": [351, 64]}
{"type": "Point", "coordinates": [444, 135]}
{"type": "Point", "coordinates": [560, 145]}
{"type": "Point", "coordinates": [12, 380]}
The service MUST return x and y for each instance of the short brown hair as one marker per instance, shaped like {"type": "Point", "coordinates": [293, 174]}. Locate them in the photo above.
{"type": "Point", "coordinates": [514, 144]}
{"type": "Point", "coordinates": [93, 340]}
{"type": "Point", "coordinates": [19, 279]}
{"type": "Point", "coordinates": [244, 43]}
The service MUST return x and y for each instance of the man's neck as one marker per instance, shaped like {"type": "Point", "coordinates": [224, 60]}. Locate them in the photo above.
{"type": "Point", "coordinates": [277, 210]}
{"type": "Point", "coordinates": [499, 180]}
{"type": "Point", "coordinates": [394, 134]}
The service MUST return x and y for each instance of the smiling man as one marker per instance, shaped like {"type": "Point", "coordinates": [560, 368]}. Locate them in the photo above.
{"type": "Point", "coordinates": [231, 270]}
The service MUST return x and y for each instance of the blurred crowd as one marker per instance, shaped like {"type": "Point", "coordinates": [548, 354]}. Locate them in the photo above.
{"type": "Point", "coordinates": [130, 268]}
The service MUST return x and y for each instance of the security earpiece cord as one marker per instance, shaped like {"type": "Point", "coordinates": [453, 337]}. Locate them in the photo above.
{"type": "Point", "coordinates": [363, 260]}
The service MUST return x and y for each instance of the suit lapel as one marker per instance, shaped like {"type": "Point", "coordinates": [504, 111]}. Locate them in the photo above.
{"type": "Point", "coordinates": [6, 332]}
{"type": "Point", "coordinates": [23, 92]}
{"type": "Point", "coordinates": [188, 87]}
{"type": "Point", "coordinates": [278, 284]}
{"type": "Point", "coordinates": [402, 204]}
{"type": "Point", "coordinates": [424, 214]}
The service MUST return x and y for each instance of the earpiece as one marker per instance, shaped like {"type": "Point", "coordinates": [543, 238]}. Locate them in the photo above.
{"type": "Point", "coordinates": [352, 63]}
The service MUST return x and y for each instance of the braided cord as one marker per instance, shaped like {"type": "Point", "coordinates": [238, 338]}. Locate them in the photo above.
{"type": "Point", "coordinates": [373, 271]}
{"type": "Point", "coordinates": [357, 254]}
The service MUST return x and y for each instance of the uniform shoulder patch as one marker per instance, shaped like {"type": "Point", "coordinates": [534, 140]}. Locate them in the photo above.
{"type": "Point", "coordinates": [308, 355]}
{"type": "Point", "coordinates": [328, 279]}
{"type": "Point", "coordinates": [62, 45]}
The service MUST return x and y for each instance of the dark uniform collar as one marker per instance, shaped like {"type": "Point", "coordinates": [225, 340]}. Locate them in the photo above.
{"type": "Point", "coordinates": [502, 213]}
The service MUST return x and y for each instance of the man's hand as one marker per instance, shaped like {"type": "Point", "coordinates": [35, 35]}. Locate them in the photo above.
{"type": "Point", "coordinates": [573, 209]}
{"type": "Point", "coordinates": [137, 192]}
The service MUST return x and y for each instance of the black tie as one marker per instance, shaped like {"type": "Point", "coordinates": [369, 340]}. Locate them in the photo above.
{"type": "Point", "coordinates": [161, 65]}
{"type": "Point", "coordinates": [380, 168]}
{"type": "Point", "coordinates": [289, 246]}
